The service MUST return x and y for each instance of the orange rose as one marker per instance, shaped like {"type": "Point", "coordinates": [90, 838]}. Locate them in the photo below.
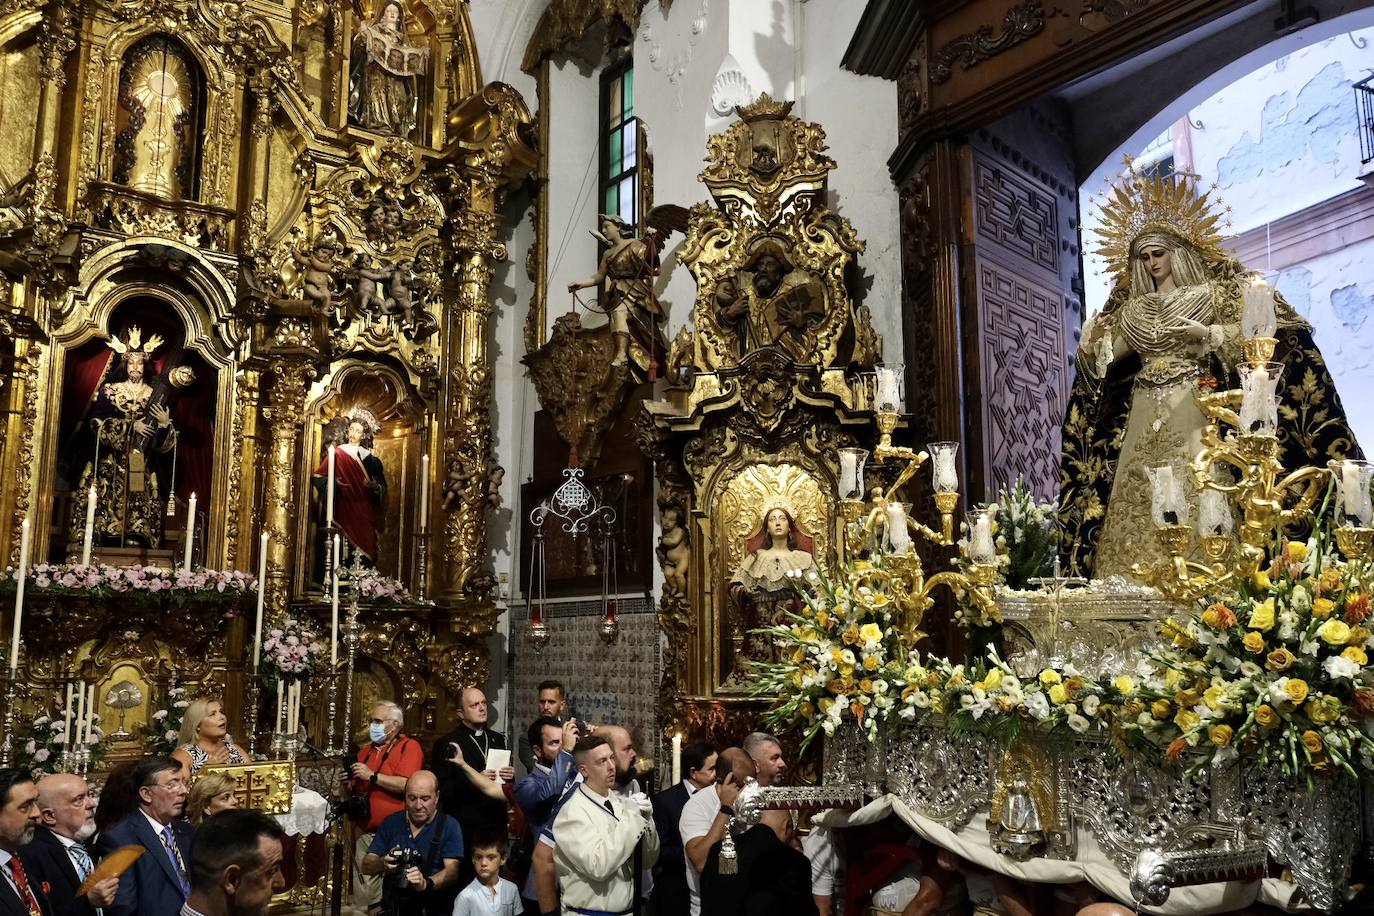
{"type": "Point", "coordinates": [1362, 701]}
{"type": "Point", "coordinates": [1280, 659]}
{"type": "Point", "coordinates": [1312, 741]}
{"type": "Point", "coordinates": [1176, 748]}
{"type": "Point", "coordinates": [857, 709]}
{"type": "Point", "coordinates": [1356, 608]}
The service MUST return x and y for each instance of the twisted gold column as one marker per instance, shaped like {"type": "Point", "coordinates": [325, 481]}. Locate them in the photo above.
{"type": "Point", "coordinates": [285, 418]}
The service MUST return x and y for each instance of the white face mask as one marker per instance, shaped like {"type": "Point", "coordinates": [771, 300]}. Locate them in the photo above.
{"type": "Point", "coordinates": [377, 732]}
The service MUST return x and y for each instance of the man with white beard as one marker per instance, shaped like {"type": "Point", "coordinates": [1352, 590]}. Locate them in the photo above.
{"type": "Point", "coordinates": [57, 858]}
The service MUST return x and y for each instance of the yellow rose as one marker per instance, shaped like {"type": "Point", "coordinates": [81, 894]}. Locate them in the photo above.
{"type": "Point", "coordinates": [1330, 579]}
{"type": "Point", "coordinates": [1356, 655]}
{"type": "Point", "coordinates": [866, 685]}
{"type": "Point", "coordinates": [1212, 617]}
{"type": "Point", "coordinates": [1160, 709]}
{"type": "Point", "coordinates": [824, 704]}
{"type": "Point", "coordinates": [1254, 642]}
{"type": "Point", "coordinates": [1187, 698]}
{"type": "Point", "coordinates": [993, 679]}
{"type": "Point", "coordinates": [851, 634]}
{"type": "Point", "coordinates": [1261, 581]}
{"type": "Point", "coordinates": [1186, 720]}
{"type": "Point", "coordinates": [797, 678]}
{"type": "Point", "coordinates": [1312, 741]}
{"type": "Point", "coordinates": [1049, 676]}
{"type": "Point", "coordinates": [1172, 677]}
{"type": "Point", "coordinates": [846, 671]}
{"type": "Point", "coordinates": [807, 710]}
{"type": "Point", "coordinates": [1059, 694]}
{"type": "Point", "coordinates": [871, 663]}
{"type": "Point", "coordinates": [871, 632]}
{"type": "Point", "coordinates": [1124, 684]}
{"type": "Point", "coordinates": [1296, 688]}
{"type": "Point", "coordinates": [1212, 697]}
{"type": "Point", "coordinates": [1296, 551]}
{"type": "Point", "coordinates": [1335, 632]}
{"type": "Point", "coordinates": [1322, 608]}
{"type": "Point", "coordinates": [1220, 735]}
{"type": "Point", "coordinates": [1262, 617]}
{"type": "Point", "coordinates": [798, 654]}
{"type": "Point", "coordinates": [1266, 716]}
{"type": "Point", "coordinates": [1280, 659]}
{"type": "Point", "coordinates": [836, 654]}
{"type": "Point", "coordinates": [823, 620]}
{"type": "Point", "coordinates": [1323, 711]}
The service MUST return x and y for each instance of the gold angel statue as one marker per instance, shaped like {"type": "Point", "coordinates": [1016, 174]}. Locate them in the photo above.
{"type": "Point", "coordinates": [1171, 326]}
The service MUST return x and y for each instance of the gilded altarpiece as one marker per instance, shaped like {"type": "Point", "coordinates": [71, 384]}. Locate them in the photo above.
{"type": "Point", "coordinates": [190, 169]}
{"type": "Point", "coordinates": [773, 376]}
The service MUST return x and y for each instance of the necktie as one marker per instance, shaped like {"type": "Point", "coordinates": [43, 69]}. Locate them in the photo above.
{"type": "Point", "coordinates": [173, 853]}
{"type": "Point", "coordinates": [82, 860]}
{"type": "Point", "coordinates": [21, 882]}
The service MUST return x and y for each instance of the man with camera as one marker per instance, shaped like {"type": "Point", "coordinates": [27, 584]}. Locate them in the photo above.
{"type": "Point", "coordinates": [375, 789]}
{"type": "Point", "coordinates": [417, 852]}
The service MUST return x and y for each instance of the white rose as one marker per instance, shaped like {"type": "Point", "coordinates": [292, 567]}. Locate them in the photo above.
{"type": "Point", "coordinates": [1078, 723]}
{"type": "Point", "coordinates": [1090, 704]}
{"type": "Point", "coordinates": [1339, 668]}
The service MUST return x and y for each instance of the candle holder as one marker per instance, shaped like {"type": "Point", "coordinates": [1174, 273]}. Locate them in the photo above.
{"type": "Point", "coordinates": [536, 631]}
{"type": "Point", "coordinates": [353, 637]}
{"type": "Point", "coordinates": [254, 692]}
{"type": "Point", "coordinates": [1356, 544]}
{"type": "Point", "coordinates": [1259, 350]}
{"type": "Point", "coordinates": [421, 563]}
{"type": "Point", "coordinates": [11, 697]}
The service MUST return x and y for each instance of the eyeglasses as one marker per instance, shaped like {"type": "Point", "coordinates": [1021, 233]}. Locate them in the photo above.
{"type": "Point", "coordinates": [175, 783]}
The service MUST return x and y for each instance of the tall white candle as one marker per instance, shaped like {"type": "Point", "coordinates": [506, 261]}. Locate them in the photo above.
{"type": "Point", "coordinates": [334, 610]}
{"type": "Point", "coordinates": [677, 759]}
{"type": "Point", "coordinates": [329, 492]}
{"type": "Point", "coordinates": [982, 548]}
{"type": "Point", "coordinates": [889, 396]}
{"type": "Point", "coordinates": [80, 711]}
{"type": "Point", "coordinates": [898, 537]}
{"type": "Point", "coordinates": [90, 527]}
{"type": "Point", "coordinates": [90, 717]}
{"type": "Point", "coordinates": [67, 716]}
{"type": "Point", "coordinates": [19, 595]}
{"type": "Point", "coordinates": [262, 597]}
{"type": "Point", "coordinates": [1257, 310]}
{"type": "Point", "coordinates": [1214, 514]}
{"type": "Point", "coordinates": [424, 493]}
{"type": "Point", "coordinates": [190, 532]}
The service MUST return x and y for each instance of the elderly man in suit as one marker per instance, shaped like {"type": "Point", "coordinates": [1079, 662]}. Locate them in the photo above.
{"type": "Point", "coordinates": [19, 896]}
{"type": "Point", "coordinates": [160, 881]}
{"type": "Point", "coordinates": [670, 877]}
{"type": "Point", "coordinates": [58, 859]}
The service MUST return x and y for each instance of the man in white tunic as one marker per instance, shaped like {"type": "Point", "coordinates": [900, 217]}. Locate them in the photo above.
{"type": "Point", "coordinates": [603, 839]}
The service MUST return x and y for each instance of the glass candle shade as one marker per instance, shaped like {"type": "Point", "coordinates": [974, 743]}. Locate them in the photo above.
{"type": "Point", "coordinates": [1353, 503]}
{"type": "Point", "coordinates": [1168, 506]}
{"type": "Point", "coordinates": [1257, 318]}
{"type": "Point", "coordinates": [944, 466]}
{"type": "Point", "coordinates": [982, 547]}
{"type": "Point", "coordinates": [1214, 514]}
{"type": "Point", "coordinates": [1259, 406]}
{"type": "Point", "coordinates": [852, 472]}
{"type": "Point", "coordinates": [889, 389]}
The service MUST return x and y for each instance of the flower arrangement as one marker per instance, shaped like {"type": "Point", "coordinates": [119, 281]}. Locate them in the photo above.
{"type": "Point", "coordinates": [1276, 669]}
{"type": "Point", "coordinates": [43, 743]}
{"type": "Point", "coordinates": [372, 586]}
{"type": "Point", "coordinates": [291, 650]}
{"type": "Point", "coordinates": [1027, 535]}
{"type": "Point", "coordinates": [147, 583]}
{"type": "Point", "coordinates": [843, 658]}
{"type": "Point", "coordinates": [165, 727]}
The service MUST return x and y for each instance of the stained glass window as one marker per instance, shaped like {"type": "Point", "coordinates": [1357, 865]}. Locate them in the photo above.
{"type": "Point", "coordinates": [619, 143]}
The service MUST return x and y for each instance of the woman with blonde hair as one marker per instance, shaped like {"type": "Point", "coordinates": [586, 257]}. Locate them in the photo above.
{"type": "Point", "coordinates": [205, 737]}
{"type": "Point", "coordinates": [210, 794]}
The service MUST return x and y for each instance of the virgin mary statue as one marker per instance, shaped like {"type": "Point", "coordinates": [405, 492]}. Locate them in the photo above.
{"type": "Point", "coordinates": [1170, 327]}
{"type": "Point", "coordinates": [761, 588]}
{"type": "Point", "coordinates": [384, 80]}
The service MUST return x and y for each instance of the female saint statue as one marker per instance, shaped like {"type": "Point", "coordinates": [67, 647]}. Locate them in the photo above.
{"type": "Point", "coordinates": [384, 82]}
{"type": "Point", "coordinates": [130, 426]}
{"type": "Point", "coordinates": [1171, 325]}
{"type": "Point", "coordinates": [628, 268]}
{"type": "Point", "coordinates": [761, 587]}
{"type": "Point", "coordinates": [359, 484]}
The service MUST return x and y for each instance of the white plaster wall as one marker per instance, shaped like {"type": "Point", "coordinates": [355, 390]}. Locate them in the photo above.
{"type": "Point", "coordinates": [502, 29]}
{"type": "Point", "coordinates": [1275, 142]}
{"type": "Point", "coordinates": [574, 188]}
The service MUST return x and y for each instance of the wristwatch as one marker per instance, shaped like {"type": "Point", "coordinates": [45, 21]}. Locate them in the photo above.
{"type": "Point", "coordinates": [727, 810]}
{"type": "Point", "coordinates": [373, 778]}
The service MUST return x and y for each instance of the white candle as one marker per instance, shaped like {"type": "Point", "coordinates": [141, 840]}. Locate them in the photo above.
{"type": "Point", "coordinates": [190, 532]}
{"type": "Point", "coordinates": [898, 537]}
{"type": "Point", "coordinates": [334, 610]}
{"type": "Point", "coordinates": [296, 708]}
{"type": "Point", "coordinates": [90, 527]}
{"type": "Point", "coordinates": [90, 717]}
{"type": "Point", "coordinates": [1214, 514]}
{"type": "Point", "coordinates": [19, 595]}
{"type": "Point", "coordinates": [677, 759]}
{"type": "Point", "coordinates": [80, 711]}
{"type": "Point", "coordinates": [1259, 412]}
{"type": "Point", "coordinates": [67, 717]}
{"type": "Point", "coordinates": [262, 593]}
{"type": "Point", "coordinates": [281, 704]}
{"type": "Point", "coordinates": [889, 396]}
{"type": "Point", "coordinates": [424, 494]}
{"type": "Point", "coordinates": [849, 470]}
{"type": "Point", "coordinates": [982, 548]}
{"type": "Point", "coordinates": [329, 492]}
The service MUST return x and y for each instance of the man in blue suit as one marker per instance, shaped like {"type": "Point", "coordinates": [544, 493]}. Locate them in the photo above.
{"type": "Point", "coordinates": [537, 794]}
{"type": "Point", "coordinates": [670, 875]}
{"type": "Point", "coordinates": [159, 882]}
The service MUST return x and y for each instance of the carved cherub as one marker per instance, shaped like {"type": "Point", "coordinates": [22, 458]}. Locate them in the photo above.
{"type": "Point", "coordinates": [674, 551]}
{"type": "Point", "coordinates": [317, 277]}
{"type": "Point", "coordinates": [494, 480]}
{"type": "Point", "coordinates": [455, 483]}
{"type": "Point", "coordinates": [368, 277]}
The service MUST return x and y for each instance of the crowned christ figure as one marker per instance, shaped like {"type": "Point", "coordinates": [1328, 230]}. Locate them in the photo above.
{"type": "Point", "coordinates": [127, 432]}
{"type": "Point", "coordinates": [359, 484]}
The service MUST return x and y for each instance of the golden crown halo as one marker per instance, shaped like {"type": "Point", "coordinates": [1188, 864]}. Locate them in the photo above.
{"type": "Point", "coordinates": [133, 342]}
{"type": "Point", "coordinates": [1143, 201]}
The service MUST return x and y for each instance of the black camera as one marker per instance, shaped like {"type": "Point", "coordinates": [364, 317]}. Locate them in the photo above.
{"type": "Point", "coordinates": [355, 807]}
{"type": "Point", "coordinates": [406, 857]}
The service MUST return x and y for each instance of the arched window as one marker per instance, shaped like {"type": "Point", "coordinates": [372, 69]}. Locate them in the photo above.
{"type": "Point", "coordinates": [160, 119]}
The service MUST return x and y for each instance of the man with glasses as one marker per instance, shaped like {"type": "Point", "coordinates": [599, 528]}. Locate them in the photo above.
{"type": "Point", "coordinates": [160, 881]}
{"type": "Point", "coordinates": [58, 858]}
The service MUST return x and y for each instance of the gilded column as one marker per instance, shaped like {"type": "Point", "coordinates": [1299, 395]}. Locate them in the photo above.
{"type": "Point", "coordinates": [285, 418]}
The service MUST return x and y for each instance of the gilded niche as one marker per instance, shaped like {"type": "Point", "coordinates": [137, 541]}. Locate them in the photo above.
{"type": "Point", "coordinates": [161, 102]}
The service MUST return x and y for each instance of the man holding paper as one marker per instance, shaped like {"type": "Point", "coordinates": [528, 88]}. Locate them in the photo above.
{"type": "Point", "coordinates": [487, 756]}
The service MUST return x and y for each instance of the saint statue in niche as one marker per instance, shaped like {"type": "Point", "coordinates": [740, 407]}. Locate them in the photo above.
{"type": "Point", "coordinates": [1170, 326]}
{"type": "Point", "coordinates": [761, 588]}
{"type": "Point", "coordinates": [628, 268]}
{"type": "Point", "coordinates": [785, 304]}
{"type": "Point", "coordinates": [359, 482]}
{"type": "Point", "coordinates": [384, 82]}
{"type": "Point", "coordinates": [130, 429]}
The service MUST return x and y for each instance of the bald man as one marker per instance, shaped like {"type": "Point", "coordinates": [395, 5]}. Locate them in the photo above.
{"type": "Point", "coordinates": [435, 838]}
{"type": "Point", "coordinates": [463, 799]}
{"type": "Point", "coordinates": [58, 857]}
{"type": "Point", "coordinates": [707, 814]}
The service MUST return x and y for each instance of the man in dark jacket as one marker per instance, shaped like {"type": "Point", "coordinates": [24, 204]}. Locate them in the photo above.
{"type": "Point", "coordinates": [461, 798]}
{"type": "Point", "coordinates": [160, 881]}
{"type": "Point", "coordinates": [670, 876]}
{"type": "Point", "coordinates": [772, 878]}
{"type": "Point", "coordinates": [58, 859]}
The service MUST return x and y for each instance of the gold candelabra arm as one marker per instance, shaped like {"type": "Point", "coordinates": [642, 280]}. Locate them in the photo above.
{"type": "Point", "coordinates": [913, 459]}
{"type": "Point", "coordinates": [1219, 407]}
{"type": "Point", "coordinates": [1316, 480]}
{"type": "Point", "coordinates": [1178, 578]}
{"type": "Point", "coordinates": [946, 503]}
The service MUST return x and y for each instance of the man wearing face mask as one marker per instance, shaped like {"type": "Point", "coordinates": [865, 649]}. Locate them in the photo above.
{"type": "Point", "coordinates": [379, 776]}
{"type": "Point", "coordinates": [58, 857]}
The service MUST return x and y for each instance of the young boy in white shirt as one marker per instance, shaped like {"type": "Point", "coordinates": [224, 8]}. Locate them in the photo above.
{"type": "Point", "coordinates": [489, 894]}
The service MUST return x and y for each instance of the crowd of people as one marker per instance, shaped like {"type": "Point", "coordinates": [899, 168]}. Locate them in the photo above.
{"type": "Point", "coordinates": [455, 831]}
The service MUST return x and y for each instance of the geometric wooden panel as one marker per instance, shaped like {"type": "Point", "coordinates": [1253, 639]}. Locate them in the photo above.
{"type": "Point", "coordinates": [1016, 213]}
{"type": "Point", "coordinates": [1024, 378]}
